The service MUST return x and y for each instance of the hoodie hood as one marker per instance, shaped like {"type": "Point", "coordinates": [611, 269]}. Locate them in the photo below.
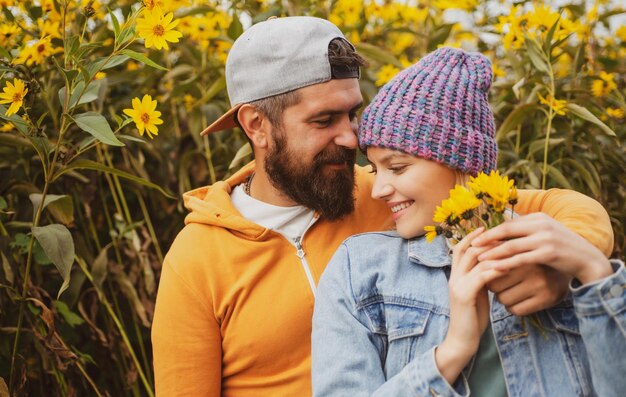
{"type": "Point", "coordinates": [211, 205]}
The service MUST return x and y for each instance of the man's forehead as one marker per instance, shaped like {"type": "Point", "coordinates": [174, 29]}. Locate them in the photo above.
{"type": "Point", "coordinates": [332, 96]}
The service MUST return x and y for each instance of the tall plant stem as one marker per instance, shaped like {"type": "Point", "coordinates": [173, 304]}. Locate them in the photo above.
{"type": "Point", "coordinates": [146, 216]}
{"type": "Point", "coordinates": [29, 259]}
{"type": "Point", "coordinates": [546, 147]}
{"type": "Point", "coordinates": [119, 326]}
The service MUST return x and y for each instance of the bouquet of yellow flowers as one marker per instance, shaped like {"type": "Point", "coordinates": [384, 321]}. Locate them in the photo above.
{"type": "Point", "coordinates": [482, 203]}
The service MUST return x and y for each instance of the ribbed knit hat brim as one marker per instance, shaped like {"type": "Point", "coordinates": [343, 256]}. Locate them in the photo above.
{"type": "Point", "coordinates": [437, 109]}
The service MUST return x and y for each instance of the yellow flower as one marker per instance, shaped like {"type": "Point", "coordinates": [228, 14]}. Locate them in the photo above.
{"type": "Point", "coordinates": [8, 33]}
{"type": "Point", "coordinates": [130, 66]}
{"type": "Point", "coordinates": [7, 127]}
{"type": "Point", "coordinates": [49, 28]}
{"type": "Point", "coordinates": [497, 72]}
{"type": "Point", "coordinates": [145, 115]}
{"type": "Point", "coordinates": [432, 232]}
{"type": "Point", "coordinates": [37, 52]}
{"type": "Point", "coordinates": [443, 213]}
{"type": "Point", "coordinates": [463, 201]}
{"type": "Point", "coordinates": [346, 12]}
{"type": "Point", "coordinates": [495, 189]}
{"type": "Point", "coordinates": [621, 33]}
{"type": "Point", "coordinates": [385, 74]}
{"type": "Point", "coordinates": [13, 94]}
{"type": "Point", "coordinates": [604, 86]}
{"type": "Point", "coordinates": [461, 4]}
{"type": "Point", "coordinates": [615, 113]}
{"type": "Point", "coordinates": [151, 4]}
{"type": "Point", "coordinates": [157, 29]}
{"type": "Point", "coordinates": [558, 105]}
{"type": "Point", "coordinates": [100, 75]}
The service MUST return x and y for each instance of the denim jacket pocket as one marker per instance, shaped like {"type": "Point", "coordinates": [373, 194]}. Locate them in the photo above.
{"type": "Point", "coordinates": [402, 322]}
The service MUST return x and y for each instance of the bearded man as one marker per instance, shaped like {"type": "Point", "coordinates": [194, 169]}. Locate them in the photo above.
{"type": "Point", "coordinates": [237, 289]}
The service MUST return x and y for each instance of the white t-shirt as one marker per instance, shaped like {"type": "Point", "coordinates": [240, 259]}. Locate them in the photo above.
{"type": "Point", "coordinates": [291, 222]}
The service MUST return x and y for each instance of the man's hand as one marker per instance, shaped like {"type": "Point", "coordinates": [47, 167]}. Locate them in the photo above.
{"type": "Point", "coordinates": [541, 256]}
{"type": "Point", "coordinates": [529, 289]}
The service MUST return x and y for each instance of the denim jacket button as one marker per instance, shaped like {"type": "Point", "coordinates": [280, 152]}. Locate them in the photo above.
{"type": "Point", "coordinates": [615, 291]}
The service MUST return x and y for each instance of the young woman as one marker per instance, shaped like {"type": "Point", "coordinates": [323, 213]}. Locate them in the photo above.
{"type": "Point", "coordinates": [396, 315]}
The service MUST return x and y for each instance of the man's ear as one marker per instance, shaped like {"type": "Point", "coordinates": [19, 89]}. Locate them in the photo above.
{"type": "Point", "coordinates": [254, 123]}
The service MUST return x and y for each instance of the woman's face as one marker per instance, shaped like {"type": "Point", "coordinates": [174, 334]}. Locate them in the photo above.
{"type": "Point", "coordinates": [411, 186]}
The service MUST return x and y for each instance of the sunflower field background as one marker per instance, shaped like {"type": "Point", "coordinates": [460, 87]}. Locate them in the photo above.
{"type": "Point", "coordinates": [101, 107]}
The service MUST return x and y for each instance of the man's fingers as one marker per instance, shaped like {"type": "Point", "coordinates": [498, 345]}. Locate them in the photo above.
{"type": "Point", "coordinates": [506, 281]}
{"type": "Point", "coordinates": [527, 306]}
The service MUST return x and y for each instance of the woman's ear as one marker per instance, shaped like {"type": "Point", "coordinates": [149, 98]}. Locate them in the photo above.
{"type": "Point", "coordinates": [254, 124]}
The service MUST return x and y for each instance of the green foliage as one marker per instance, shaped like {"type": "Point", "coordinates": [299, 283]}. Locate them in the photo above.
{"type": "Point", "coordinates": [89, 204]}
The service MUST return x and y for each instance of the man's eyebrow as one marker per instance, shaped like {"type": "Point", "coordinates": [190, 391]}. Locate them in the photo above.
{"type": "Point", "coordinates": [332, 112]}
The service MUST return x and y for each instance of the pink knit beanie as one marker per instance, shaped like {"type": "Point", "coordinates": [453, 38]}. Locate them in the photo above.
{"type": "Point", "coordinates": [437, 109]}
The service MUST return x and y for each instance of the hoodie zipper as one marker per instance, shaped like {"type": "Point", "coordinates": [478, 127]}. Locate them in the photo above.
{"type": "Point", "coordinates": [305, 265]}
{"type": "Point", "coordinates": [302, 255]}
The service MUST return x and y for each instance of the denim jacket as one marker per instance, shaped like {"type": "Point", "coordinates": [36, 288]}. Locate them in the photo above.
{"type": "Point", "coordinates": [382, 307]}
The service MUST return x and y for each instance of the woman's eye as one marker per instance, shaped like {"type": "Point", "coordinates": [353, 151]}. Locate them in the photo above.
{"type": "Point", "coordinates": [398, 169]}
{"type": "Point", "coordinates": [373, 171]}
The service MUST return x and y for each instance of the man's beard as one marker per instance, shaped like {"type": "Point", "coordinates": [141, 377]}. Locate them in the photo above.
{"type": "Point", "coordinates": [328, 193]}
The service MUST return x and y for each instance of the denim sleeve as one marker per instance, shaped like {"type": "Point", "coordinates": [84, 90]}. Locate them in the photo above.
{"type": "Point", "coordinates": [601, 310]}
{"type": "Point", "coordinates": [348, 357]}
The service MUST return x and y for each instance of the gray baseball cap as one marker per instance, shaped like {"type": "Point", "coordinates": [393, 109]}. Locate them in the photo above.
{"type": "Point", "coordinates": [277, 56]}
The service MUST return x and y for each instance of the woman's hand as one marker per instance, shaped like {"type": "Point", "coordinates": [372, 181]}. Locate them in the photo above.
{"type": "Point", "coordinates": [538, 239]}
{"type": "Point", "coordinates": [469, 307]}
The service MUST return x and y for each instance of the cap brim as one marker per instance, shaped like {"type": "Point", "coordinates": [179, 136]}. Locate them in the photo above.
{"type": "Point", "coordinates": [227, 121]}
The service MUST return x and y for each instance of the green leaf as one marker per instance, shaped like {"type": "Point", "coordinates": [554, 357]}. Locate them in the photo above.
{"type": "Point", "coordinates": [142, 58]}
{"type": "Point", "coordinates": [538, 145]}
{"type": "Point", "coordinates": [6, 268]}
{"type": "Point", "coordinates": [99, 269]}
{"type": "Point", "coordinates": [536, 55]}
{"type": "Point", "coordinates": [90, 94]}
{"type": "Point", "coordinates": [439, 36]}
{"type": "Point", "coordinates": [3, 204]}
{"type": "Point", "coordinates": [105, 63]}
{"type": "Point", "coordinates": [218, 86]}
{"type": "Point", "coordinates": [116, 25]}
{"type": "Point", "coordinates": [241, 154]}
{"type": "Point", "coordinates": [61, 207]}
{"type": "Point", "coordinates": [520, 114]}
{"type": "Point", "coordinates": [129, 291]}
{"type": "Point", "coordinates": [96, 125]}
{"type": "Point", "coordinates": [56, 241]}
{"type": "Point", "coordinates": [93, 165]}
{"type": "Point", "coordinates": [585, 175]}
{"type": "Point", "coordinates": [375, 53]}
{"type": "Point", "coordinates": [42, 146]}
{"type": "Point", "coordinates": [547, 46]}
{"type": "Point", "coordinates": [236, 28]}
{"type": "Point", "coordinates": [17, 121]}
{"type": "Point", "coordinates": [35, 198]}
{"type": "Point", "coordinates": [558, 177]}
{"type": "Point", "coordinates": [126, 34]}
{"type": "Point", "coordinates": [585, 114]}
{"type": "Point", "coordinates": [71, 318]}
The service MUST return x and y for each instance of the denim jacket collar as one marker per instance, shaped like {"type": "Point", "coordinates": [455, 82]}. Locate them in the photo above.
{"type": "Point", "coordinates": [433, 254]}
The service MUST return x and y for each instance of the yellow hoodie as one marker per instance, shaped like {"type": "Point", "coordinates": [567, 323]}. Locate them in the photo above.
{"type": "Point", "coordinates": [234, 306]}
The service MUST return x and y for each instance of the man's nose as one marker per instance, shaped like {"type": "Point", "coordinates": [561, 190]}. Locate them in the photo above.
{"type": "Point", "coordinates": [346, 135]}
